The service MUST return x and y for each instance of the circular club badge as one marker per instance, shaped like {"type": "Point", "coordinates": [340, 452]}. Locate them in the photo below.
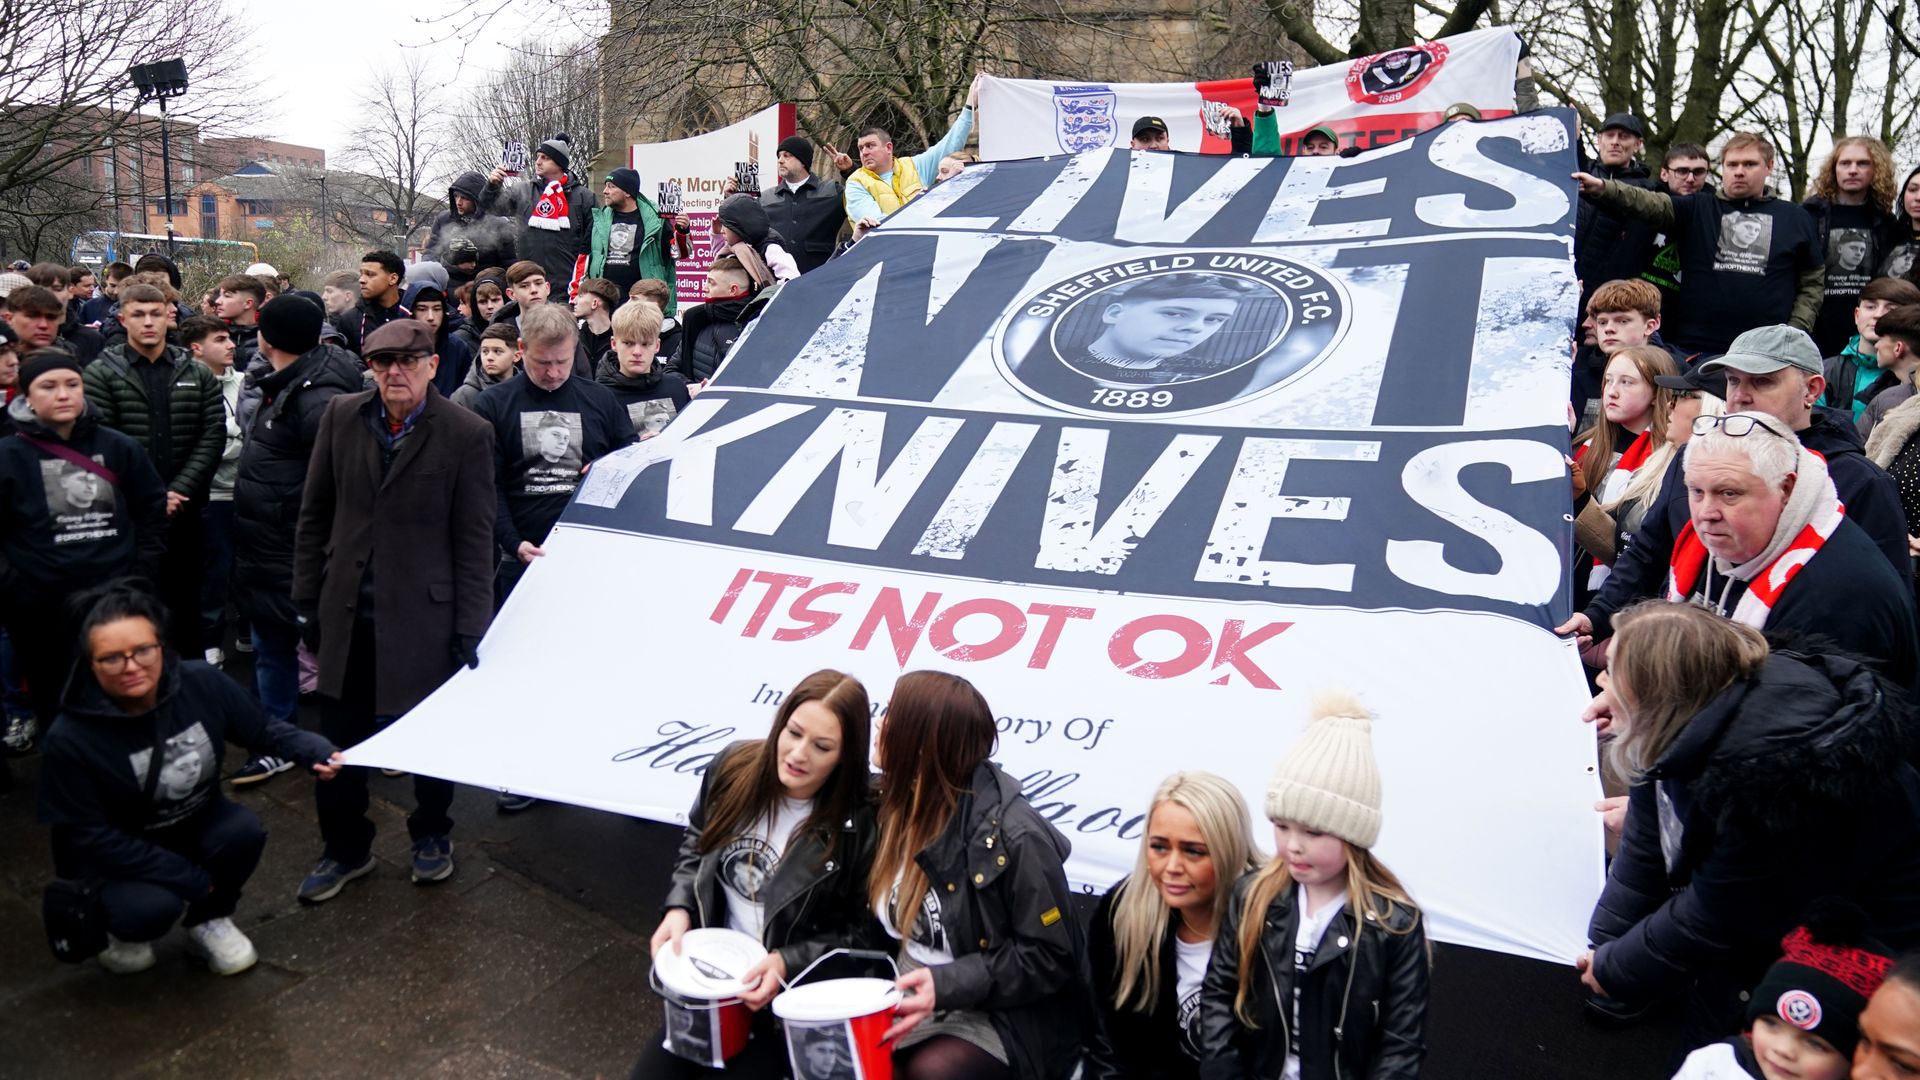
{"type": "Point", "coordinates": [1799, 1008]}
{"type": "Point", "coordinates": [1392, 76]}
{"type": "Point", "coordinates": [1170, 334]}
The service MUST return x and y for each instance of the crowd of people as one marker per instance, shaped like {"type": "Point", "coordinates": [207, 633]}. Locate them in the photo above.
{"type": "Point", "coordinates": [346, 483]}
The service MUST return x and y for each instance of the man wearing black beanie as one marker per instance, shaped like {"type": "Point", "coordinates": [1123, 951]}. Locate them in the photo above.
{"type": "Point", "coordinates": [280, 408]}
{"type": "Point", "coordinates": [630, 239]}
{"type": "Point", "coordinates": [802, 207]}
{"type": "Point", "coordinates": [550, 211]}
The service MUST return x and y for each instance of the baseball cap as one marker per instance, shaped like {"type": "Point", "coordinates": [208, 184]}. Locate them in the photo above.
{"type": "Point", "coordinates": [1626, 122]}
{"type": "Point", "coordinates": [1694, 380]}
{"type": "Point", "coordinates": [1321, 129]}
{"type": "Point", "coordinates": [1149, 123]}
{"type": "Point", "coordinates": [1766, 349]}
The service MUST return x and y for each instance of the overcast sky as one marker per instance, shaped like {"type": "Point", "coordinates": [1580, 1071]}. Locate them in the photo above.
{"type": "Point", "coordinates": [311, 65]}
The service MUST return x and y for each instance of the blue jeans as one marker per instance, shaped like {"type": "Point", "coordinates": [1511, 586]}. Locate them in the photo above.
{"type": "Point", "coordinates": [276, 669]}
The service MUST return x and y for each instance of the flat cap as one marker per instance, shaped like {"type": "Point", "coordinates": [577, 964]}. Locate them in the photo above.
{"type": "Point", "coordinates": [401, 337]}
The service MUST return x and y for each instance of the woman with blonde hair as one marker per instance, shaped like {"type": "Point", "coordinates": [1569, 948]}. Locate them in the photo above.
{"type": "Point", "coordinates": [1320, 964]}
{"type": "Point", "coordinates": [1760, 780]}
{"type": "Point", "coordinates": [1152, 935]}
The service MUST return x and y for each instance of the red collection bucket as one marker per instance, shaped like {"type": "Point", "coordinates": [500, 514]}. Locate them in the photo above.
{"type": "Point", "coordinates": [834, 1027]}
{"type": "Point", "coordinates": [700, 987]}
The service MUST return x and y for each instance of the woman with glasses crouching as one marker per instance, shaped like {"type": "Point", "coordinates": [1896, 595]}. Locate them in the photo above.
{"type": "Point", "coordinates": [130, 784]}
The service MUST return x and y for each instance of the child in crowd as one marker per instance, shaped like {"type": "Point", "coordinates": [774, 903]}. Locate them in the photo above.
{"type": "Point", "coordinates": [651, 395]}
{"type": "Point", "coordinates": [1804, 1017]}
{"type": "Point", "coordinates": [499, 358]}
{"type": "Point", "coordinates": [1320, 965]}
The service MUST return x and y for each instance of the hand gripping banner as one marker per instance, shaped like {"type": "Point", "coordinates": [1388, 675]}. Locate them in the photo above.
{"type": "Point", "coordinates": [1150, 447]}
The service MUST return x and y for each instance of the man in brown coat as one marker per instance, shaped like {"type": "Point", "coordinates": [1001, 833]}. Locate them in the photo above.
{"type": "Point", "coordinates": [396, 521]}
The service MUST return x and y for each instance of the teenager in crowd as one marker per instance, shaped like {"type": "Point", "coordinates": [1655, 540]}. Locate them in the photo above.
{"type": "Point", "coordinates": [498, 361]}
{"type": "Point", "coordinates": [1627, 445]}
{"type": "Point", "coordinates": [1320, 964]}
{"type": "Point", "coordinates": [778, 846]}
{"type": "Point", "coordinates": [969, 880]}
{"type": "Point", "coordinates": [159, 840]}
{"type": "Point", "coordinates": [651, 395]}
{"type": "Point", "coordinates": [1803, 1020]}
{"type": "Point", "coordinates": [80, 503]}
{"type": "Point", "coordinates": [1735, 754]}
{"type": "Point", "coordinates": [1889, 1046]}
{"type": "Point", "coordinates": [1152, 935]}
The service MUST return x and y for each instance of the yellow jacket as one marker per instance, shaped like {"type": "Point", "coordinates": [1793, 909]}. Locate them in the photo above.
{"type": "Point", "coordinates": [905, 187]}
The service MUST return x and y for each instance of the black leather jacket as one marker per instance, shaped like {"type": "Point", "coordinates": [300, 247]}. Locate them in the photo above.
{"type": "Point", "coordinates": [1017, 949]}
{"type": "Point", "coordinates": [812, 904]}
{"type": "Point", "coordinates": [1363, 1003]}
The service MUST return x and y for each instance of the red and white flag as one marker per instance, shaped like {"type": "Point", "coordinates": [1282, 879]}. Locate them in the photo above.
{"type": "Point", "coordinates": [1367, 102]}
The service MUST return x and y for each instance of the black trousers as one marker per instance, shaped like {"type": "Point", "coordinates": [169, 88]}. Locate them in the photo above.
{"type": "Point", "coordinates": [342, 801]}
{"type": "Point", "coordinates": [225, 840]}
{"type": "Point", "coordinates": [45, 643]}
{"type": "Point", "coordinates": [181, 572]}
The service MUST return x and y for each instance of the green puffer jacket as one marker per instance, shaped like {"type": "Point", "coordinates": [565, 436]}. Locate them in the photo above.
{"type": "Point", "coordinates": [197, 414]}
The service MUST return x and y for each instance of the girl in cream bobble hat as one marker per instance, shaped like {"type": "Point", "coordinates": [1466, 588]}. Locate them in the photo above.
{"type": "Point", "coordinates": [1319, 966]}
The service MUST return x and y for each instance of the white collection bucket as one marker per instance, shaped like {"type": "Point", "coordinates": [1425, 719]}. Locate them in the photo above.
{"type": "Point", "coordinates": [700, 988]}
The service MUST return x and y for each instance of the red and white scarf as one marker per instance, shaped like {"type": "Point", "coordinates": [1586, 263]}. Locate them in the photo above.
{"type": "Point", "coordinates": [1615, 482]}
{"type": "Point", "coordinates": [1765, 582]}
{"type": "Point", "coordinates": [550, 208]}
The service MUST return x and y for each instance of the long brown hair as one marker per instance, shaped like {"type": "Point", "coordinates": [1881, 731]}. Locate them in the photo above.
{"type": "Point", "coordinates": [747, 783]}
{"type": "Point", "coordinates": [1369, 883]}
{"type": "Point", "coordinates": [1667, 662]}
{"type": "Point", "coordinates": [1606, 438]}
{"type": "Point", "coordinates": [1826, 184]}
{"type": "Point", "coordinates": [938, 731]}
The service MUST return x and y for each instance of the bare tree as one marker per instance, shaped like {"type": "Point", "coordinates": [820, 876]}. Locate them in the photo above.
{"type": "Point", "coordinates": [67, 113]}
{"type": "Point", "coordinates": [398, 147]}
{"type": "Point", "coordinates": [545, 87]}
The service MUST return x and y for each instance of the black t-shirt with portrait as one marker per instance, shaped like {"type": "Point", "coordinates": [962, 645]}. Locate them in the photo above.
{"type": "Point", "coordinates": [1851, 257]}
{"type": "Point", "coordinates": [622, 266]}
{"type": "Point", "coordinates": [543, 439]}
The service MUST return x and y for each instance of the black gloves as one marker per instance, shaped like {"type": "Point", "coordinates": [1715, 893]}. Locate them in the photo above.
{"type": "Point", "coordinates": [308, 623]}
{"type": "Point", "coordinates": [466, 650]}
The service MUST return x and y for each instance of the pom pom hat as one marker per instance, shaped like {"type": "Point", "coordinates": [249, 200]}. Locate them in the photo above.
{"type": "Point", "coordinates": [1328, 781]}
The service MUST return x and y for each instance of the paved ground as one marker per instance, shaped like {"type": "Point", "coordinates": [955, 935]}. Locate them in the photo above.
{"type": "Point", "coordinates": [531, 962]}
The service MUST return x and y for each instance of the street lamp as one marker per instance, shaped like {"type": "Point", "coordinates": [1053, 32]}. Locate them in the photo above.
{"type": "Point", "coordinates": [158, 81]}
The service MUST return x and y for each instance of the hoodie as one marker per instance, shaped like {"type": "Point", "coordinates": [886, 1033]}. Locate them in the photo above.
{"type": "Point", "coordinates": [651, 401]}
{"type": "Point", "coordinates": [61, 527]}
{"type": "Point", "coordinates": [94, 766]}
{"type": "Point", "coordinates": [1872, 502]}
{"type": "Point", "coordinates": [492, 236]}
{"type": "Point", "coordinates": [455, 354]}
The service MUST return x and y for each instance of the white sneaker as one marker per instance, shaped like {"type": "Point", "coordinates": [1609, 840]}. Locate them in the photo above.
{"type": "Point", "coordinates": [226, 950]}
{"type": "Point", "coordinates": [216, 657]}
{"type": "Point", "coordinates": [126, 957]}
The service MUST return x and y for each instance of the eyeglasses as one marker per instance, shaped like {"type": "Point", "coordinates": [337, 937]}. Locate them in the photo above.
{"type": "Point", "coordinates": [388, 361]}
{"type": "Point", "coordinates": [1734, 424]}
{"type": "Point", "coordinates": [115, 663]}
{"type": "Point", "coordinates": [1699, 171]}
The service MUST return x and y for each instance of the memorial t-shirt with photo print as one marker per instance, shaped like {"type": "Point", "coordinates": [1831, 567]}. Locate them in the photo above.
{"type": "Point", "coordinates": [748, 863]}
{"type": "Point", "coordinates": [928, 944]}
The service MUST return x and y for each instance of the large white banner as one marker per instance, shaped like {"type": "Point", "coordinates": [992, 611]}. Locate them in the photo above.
{"type": "Point", "coordinates": [1148, 447]}
{"type": "Point", "coordinates": [1367, 102]}
{"type": "Point", "coordinates": [701, 165]}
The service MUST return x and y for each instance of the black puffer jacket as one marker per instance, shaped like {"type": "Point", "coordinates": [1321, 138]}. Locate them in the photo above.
{"type": "Point", "coordinates": [1785, 788]}
{"type": "Point", "coordinates": [196, 414]}
{"type": "Point", "coordinates": [1363, 1000]}
{"type": "Point", "coordinates": [1018, 954]}
{"type": "Point", "coordinates": [709, 331]}
{"type": "Point", "coordinates": [814, 902]}
{"type": "Point", "coordinates": [283, 420]}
